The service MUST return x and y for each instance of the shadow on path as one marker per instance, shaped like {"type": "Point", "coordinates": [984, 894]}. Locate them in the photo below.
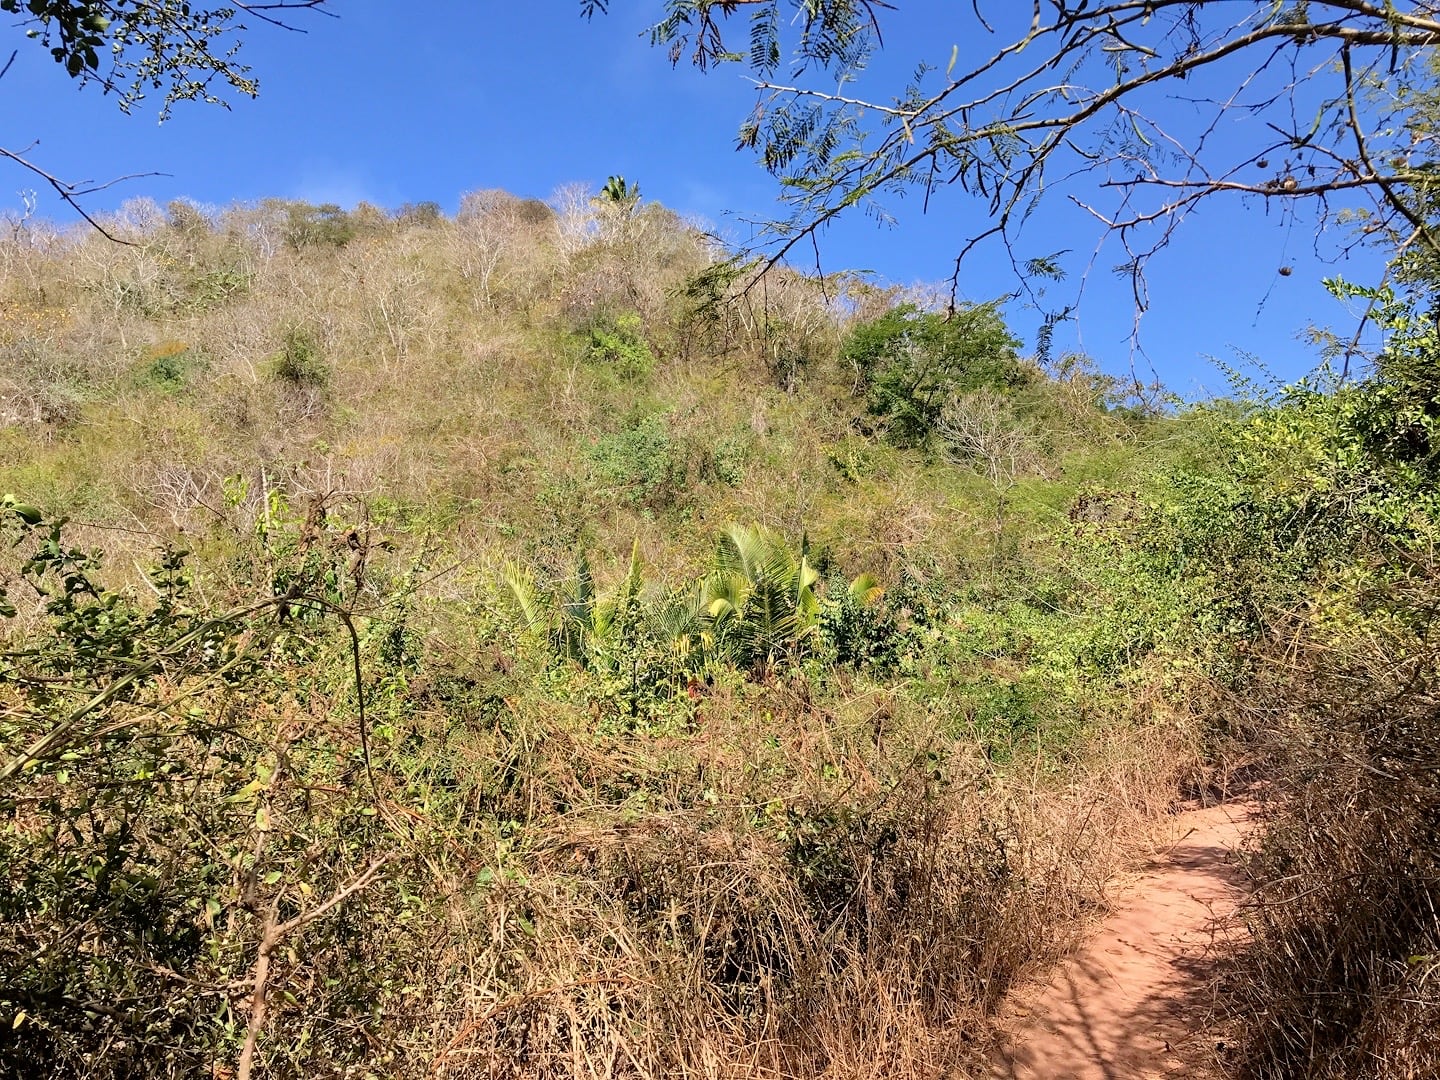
{"type": "Point", "coordinates": [1131, 1004]}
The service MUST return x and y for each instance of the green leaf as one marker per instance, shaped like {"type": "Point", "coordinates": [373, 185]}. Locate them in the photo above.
{"type": "Point", "coordinates": [28, 514]}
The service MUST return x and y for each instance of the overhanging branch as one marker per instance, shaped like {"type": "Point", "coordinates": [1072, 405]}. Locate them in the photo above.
{"type": "Point", "coordinates": [1073, 95]}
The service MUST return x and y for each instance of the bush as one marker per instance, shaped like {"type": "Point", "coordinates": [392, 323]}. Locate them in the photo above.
{"type": "Point", "coordinates": [1342, 976]}
{"type": "Point", "coordinates": [214, 287]}
{"type": "Point", "coordinates": [421, 215]}
{"type": "Point", "coordinates": [42, 385]}
{"type": "Point", "coordinates": [908, 363]}
{"type": "Point", "coordinates": [640, 464]}
{"type": "Point", "coordinates": [162, 837]}
{"type": "Point", "coordinates": [857, 631]}
{"type": "Point", "coordinates": [619, 345]}
{"type": "Point", "coordinates": [169, 367]}
{"type": "Point", "coordinates": [300, 362]}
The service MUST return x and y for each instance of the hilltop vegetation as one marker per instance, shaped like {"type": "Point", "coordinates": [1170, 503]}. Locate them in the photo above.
{"type": "Point", "coordinates": [531, 644]}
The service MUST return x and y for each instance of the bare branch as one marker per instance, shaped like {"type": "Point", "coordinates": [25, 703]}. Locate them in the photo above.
{"type": "Point", "coordinates": [72, 193]}
{"type": "Point", "coordinates": [359, 882]}
{"type": "Point", "coordinates": [272, 935]}
{"type": "Point", "coordinates": [262, 10]}
{"type": "Point", "coordinates": [1074, 90]}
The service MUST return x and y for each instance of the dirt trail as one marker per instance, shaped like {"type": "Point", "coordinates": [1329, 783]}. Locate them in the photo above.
{"type": "Point", "coordinates": [1131, 1004]}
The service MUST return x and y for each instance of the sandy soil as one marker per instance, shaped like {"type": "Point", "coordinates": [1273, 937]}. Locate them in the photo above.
{"type": "Point", "coordinates": [1132, 1003]}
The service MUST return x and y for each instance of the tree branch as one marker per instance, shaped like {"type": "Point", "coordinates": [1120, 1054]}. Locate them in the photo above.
{"type": "Point", "coordinates": [1082, 92]}
{"type": "Point", "coordinates": [272, 935]}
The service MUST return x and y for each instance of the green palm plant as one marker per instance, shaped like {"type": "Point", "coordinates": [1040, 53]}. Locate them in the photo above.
{"type": "Point", "coordinates": [524, 596]}
{"type": "Point", "coordinates": [759, 602]}
{"type": "Point", "coordinates": [617, 623]}
{"type": "Point", "coordinates": [756, 609]}
{"type": "Point", "coordinates": [576, 611]}
{"type": "Point", "coordinates": [575, 620]}
{"type": "Point", "coordinates": [620, 194]}
{"type": "Point", "coordinates": [683, 623]}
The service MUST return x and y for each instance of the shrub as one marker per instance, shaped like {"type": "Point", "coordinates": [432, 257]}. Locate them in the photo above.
{"type": "Point", "coordinates": [1341, 977]}
{"type": "Point", "coordinates": [300, 362]}
{"type": "Point", "coordinates": [640, 464]}
{"type": "Point", "coordinates": [169, 365]}
{"type": "Point", "coordinates": [719, 460]}
{"type": "Point", "coordinates": [216, 286]}
{"type": "Point", "coordinates": [855, 628]}
{"type": "Point", "coordinates": [42, 385]}
{"type": "Point", "coordinates": [619, 345]}
{"type": "Point", "coordinates": [161, 836]}
{"type": "Point", "coordinates": [908, 363]}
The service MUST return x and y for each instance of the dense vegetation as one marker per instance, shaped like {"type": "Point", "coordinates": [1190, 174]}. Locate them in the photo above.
{"type": "Point", "coordinates": [529, 644]}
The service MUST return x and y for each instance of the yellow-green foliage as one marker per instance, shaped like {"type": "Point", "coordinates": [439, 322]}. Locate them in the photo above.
{"type": "Point", "coordinates": [468, 636]}
{"type": "Point", "coordinates": [538, 368]}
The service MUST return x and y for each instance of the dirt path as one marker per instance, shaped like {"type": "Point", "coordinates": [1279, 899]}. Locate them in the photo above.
{"type": "Point", "coordinates": [1130, 1005]}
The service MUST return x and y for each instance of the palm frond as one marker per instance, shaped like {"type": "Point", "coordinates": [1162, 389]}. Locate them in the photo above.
{"type": "Point", "coordinates": [865, 590]}
{"type": "Point", "coordinates": [523, 594]}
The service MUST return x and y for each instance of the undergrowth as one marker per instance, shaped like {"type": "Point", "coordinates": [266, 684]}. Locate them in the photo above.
{"type": "Point", "coordinates": [519, 646]}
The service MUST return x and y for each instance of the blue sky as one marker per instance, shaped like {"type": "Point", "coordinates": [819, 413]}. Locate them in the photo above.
{"type": "Point", "coordinates": [527, 97]}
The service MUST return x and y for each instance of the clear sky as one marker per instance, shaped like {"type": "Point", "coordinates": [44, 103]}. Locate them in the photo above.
{"type": "Point", "coordinates": [459, 95]}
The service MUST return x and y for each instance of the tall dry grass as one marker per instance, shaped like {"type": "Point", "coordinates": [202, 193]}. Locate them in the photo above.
{"type": "Point", "coordinates": [1342, 978]}
{"type": "Point", "coordinates": [851, 897]}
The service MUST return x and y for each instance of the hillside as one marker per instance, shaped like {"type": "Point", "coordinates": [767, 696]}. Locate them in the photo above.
{"type": "Point", "coordinates": [534, 643]}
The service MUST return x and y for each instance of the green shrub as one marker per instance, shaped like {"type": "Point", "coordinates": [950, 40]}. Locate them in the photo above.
{"type": "Point", "coordinates": [856, 629]}
{"type": "Point", "coordinates": [160, 836]}
{"type": "Point", "coordinates": [619, 345]}
{"type": "Point", "coordinates": [300, 361]}
{"type": "Point", "coordinates": [714, 459]}
{"type": "Point", "coordinates": [908, 363]}
{"type": "Point", "coordinates": [169, 367]}
{"type": "Point", "coordinates": [852, 459]}
{"type": "Point", "coordinates": [640, 464]}
{"type": "Point", "coordinates": [1008, 716]}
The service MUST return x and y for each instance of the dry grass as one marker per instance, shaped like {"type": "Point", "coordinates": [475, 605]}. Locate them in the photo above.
{"type": "Point", "coordinates": [1343, 976]}
{"type": "Point", "coordinates": [851, 899]}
